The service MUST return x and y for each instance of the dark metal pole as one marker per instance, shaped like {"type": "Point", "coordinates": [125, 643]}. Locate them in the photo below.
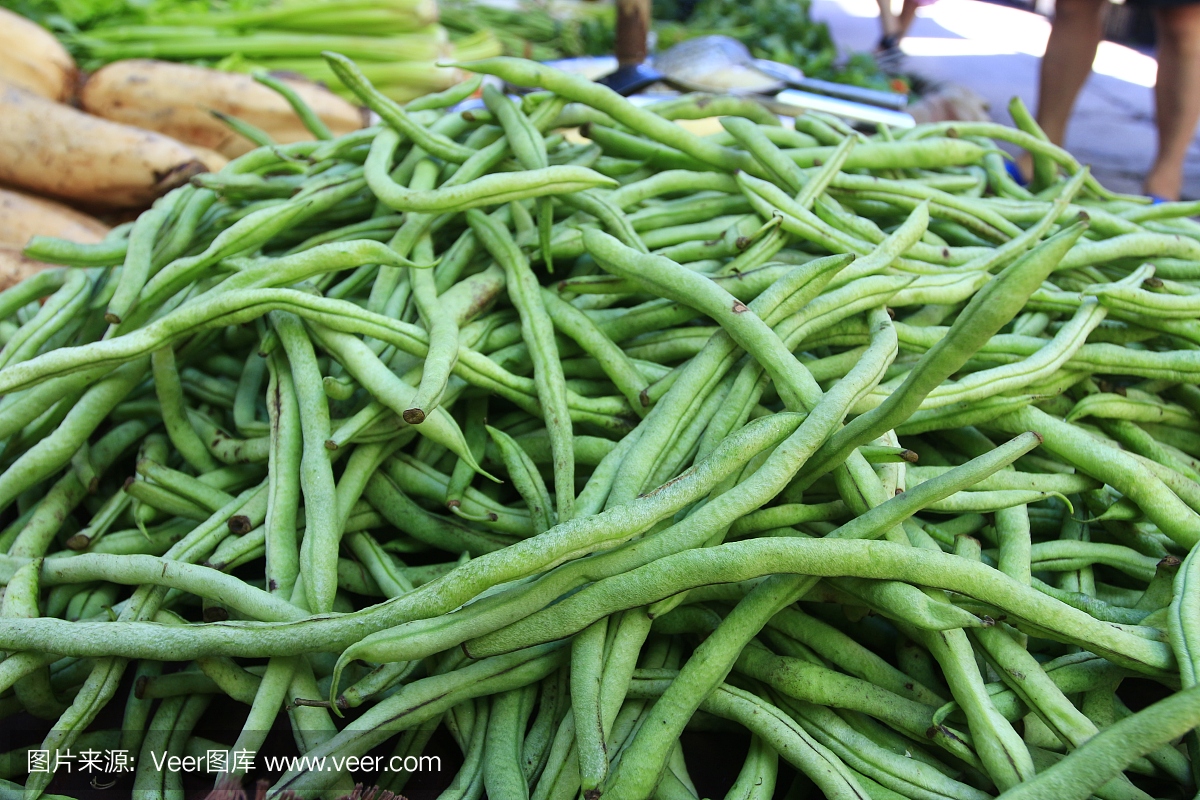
{"type": "Point", "coordinates": [633, 24]}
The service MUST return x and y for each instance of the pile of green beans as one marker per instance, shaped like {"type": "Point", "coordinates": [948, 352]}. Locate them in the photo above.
{"type": "Point", "coordinates": [552, 450]}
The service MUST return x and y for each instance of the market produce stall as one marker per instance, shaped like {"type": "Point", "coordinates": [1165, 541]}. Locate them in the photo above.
{"type": "Point", "coordinates": [583, 452]}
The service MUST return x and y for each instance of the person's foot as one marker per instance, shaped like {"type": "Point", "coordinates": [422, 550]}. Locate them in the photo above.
{"type": "Point", "coordinates": [1024, 167]}
{"type": "Point", "coordinates": [1163, 185]}
{"type": "Point", "coordinates": [888, 55]}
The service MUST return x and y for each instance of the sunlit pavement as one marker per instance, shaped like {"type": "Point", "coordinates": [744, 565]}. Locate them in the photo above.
{"type": "Point", "coordinates": [994, 50]}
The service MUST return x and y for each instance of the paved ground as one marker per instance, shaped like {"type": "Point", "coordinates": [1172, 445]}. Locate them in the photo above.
{"type": "Point", "coordinates": [995, 50]}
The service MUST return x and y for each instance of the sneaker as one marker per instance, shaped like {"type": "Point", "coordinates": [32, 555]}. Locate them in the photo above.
{"type": "Point", "coordinates": [1014, 172]}
{"type": "Point", "coordinates": [889, 56]}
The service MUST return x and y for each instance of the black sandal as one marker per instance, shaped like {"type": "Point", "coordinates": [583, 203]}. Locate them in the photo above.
{"type": "Point", "coordinates": [889, 56]}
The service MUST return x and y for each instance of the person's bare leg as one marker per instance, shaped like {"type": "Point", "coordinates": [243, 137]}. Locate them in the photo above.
{"type": "Point", "coordinates": [908, 12]}
{"type": "Point", "coordinates": [888, 23]}
{"type": "Point", "coordinates": [1176, 97]}
{"type": "Point", "coordinates": [1076, 33]}
{"type": "Point", "coordinates": [1074, 36]}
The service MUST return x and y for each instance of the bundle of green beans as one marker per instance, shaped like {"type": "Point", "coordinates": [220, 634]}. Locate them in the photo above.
{"type": "Point", "coordinates": [453, 427]}
{"type": "Point", "coordinates": [398, 41]}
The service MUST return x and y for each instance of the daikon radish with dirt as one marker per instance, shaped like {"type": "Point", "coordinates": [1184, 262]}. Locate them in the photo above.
{"type": "Point", "coordinates": [53, 149]}
{"type": "Point", "coordinates": [32, 59]}
{"type": "Point", "coordinates": [177, 100]}
{"type": "Point", "coordinates": [211, 159]}
{"type": "Point", "coordinates": [23, 216]}
{"type": "Point", "coordinates": [15, 266]}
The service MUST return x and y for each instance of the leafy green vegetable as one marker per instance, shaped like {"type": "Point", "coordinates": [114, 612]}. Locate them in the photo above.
{"type": "Point", "coordinates": [779, 30]}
